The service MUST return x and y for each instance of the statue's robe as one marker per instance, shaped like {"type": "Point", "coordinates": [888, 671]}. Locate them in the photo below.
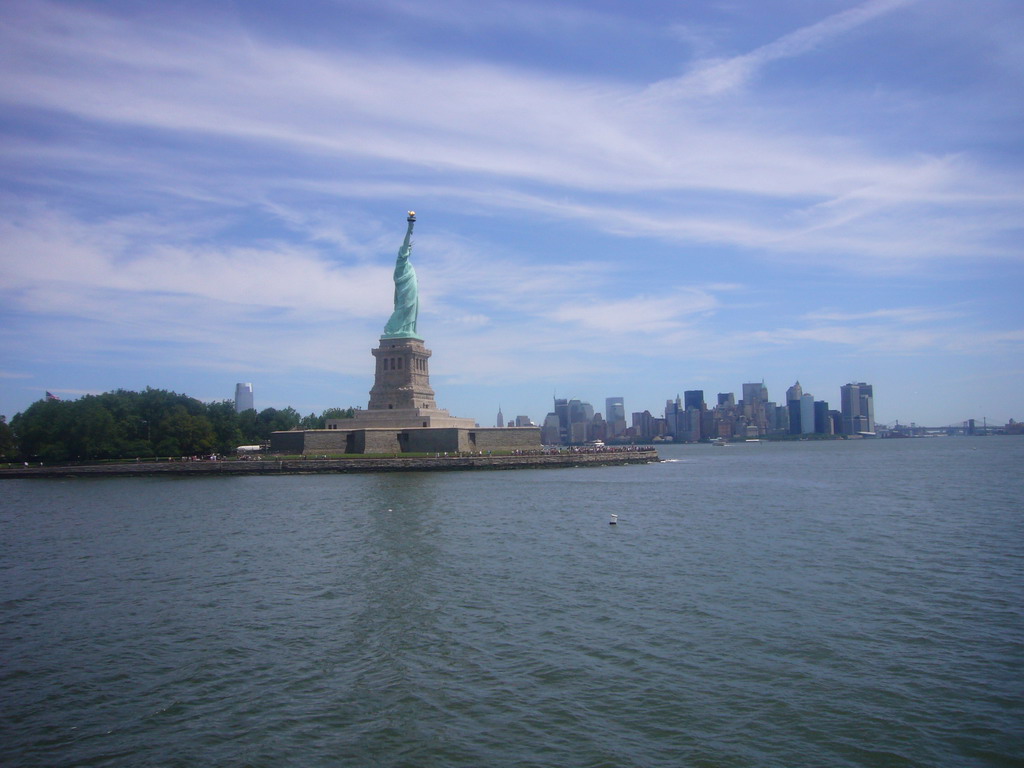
{"type": "Point", "coordinates": [402, 323]}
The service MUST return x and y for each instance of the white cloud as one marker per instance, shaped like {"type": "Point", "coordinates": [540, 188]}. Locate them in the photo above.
{"type": "Point", "coordinates": [714, 76]}
{"type": "Point", "coordinates": [900, 314]}
{"type": "Point", "coordinates": [897, 332]}
{"type": "Point", "coordinates": [513, 129]}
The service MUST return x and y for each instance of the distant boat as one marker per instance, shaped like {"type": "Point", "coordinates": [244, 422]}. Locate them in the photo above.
{"type": "Point", "coordinates": [719, 441]}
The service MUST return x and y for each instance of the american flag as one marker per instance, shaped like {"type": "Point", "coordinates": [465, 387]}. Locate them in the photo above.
{"type": "Point", "coordinates": [51, 396]}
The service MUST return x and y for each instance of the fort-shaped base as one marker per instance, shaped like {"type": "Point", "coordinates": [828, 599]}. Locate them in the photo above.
{"type": "Point", "coordinates": [401, 418]}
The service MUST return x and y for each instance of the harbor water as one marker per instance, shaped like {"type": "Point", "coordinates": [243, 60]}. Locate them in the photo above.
{"type": "Point", "coordinates": [848, 603]}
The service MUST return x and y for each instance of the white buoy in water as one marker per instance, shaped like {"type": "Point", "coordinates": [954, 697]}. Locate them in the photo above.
{"type": "Point", "coordinates": [614, 520]}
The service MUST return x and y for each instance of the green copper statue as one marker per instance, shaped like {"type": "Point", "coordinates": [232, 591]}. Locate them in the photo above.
{"type": "Point", "coordinates": [402, 324]}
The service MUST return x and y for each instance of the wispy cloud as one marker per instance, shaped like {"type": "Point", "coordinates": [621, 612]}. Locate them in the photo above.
{"type": "Point", "coordinates": [504, 131]}
{"type": "Point", "coordinates": [901, 314]}
{"type": "Point", "coordinates": [714, 76]}
{"type": "Point", "coordinates": [899, 330]}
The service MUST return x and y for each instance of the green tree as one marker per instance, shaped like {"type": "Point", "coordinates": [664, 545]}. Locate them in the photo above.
{"type": "Point", "coordinates": [191, 433]}
{"type": "Point", "coordinates": [249, 427]}
{"type": "Point", "coordinates": [338, 413]}
{"type": "Point", "coordinates": [134, 429]}
{"type": "Point", "coordinates": [272, 420]}
{"type": "Point", "coordinates": [42, 430]}
{"type": "Point", "coordinates": [125, 424]}
{"type": "Point", "coordinates": [311, 422]}
{"type": "Point", "coordinates": [320, 422]}
{"type": "Point", "coordinates": [92, 432]}
{"type": "Point", "coordinates": [7, 443]}
{"type": "Point", "coordinates": [225, 423]}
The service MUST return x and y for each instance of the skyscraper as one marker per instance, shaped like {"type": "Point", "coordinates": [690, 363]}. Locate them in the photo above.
{"type": "Point", "coordinates": [755, 401]}
{"type": "Point", "coordinates": [867, 406]}
{"type": "Point", "coordinates": [849, 400]}
{"type": "Point", "coordinates": [243, 398]}
{"type": "Point", "coordinates": [806, 414]}
{"type": "Point", "coordinates": [694, 398]}
{"type": "Point", "coordinates": [501, 418]}
{"type": "Point", "coordinates": [755, 392]}
{"type": "Point", "coordinates": [551, 432]}
{"type": "Point", "coordinates": [822, 418]}
{"type": "Point", "coordinates": [793, 395]}
{"type": "Point", "coordinates": [675, 419]}
{"type": "Point", "coordinates": [562, 412]}
{"type": "Point", "coordinates": [858, 408]}
{"type": "Point", "coordinates": [580, 416]}
{"type": "Point", "coordinates": [615, 415]}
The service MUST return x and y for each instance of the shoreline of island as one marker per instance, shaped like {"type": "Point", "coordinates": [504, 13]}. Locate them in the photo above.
{"type": "Point", "coordinates": [269, 465]}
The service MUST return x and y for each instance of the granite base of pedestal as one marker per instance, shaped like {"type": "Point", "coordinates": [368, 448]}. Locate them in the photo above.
{"type": "Point", "coordinates": [435, 439]}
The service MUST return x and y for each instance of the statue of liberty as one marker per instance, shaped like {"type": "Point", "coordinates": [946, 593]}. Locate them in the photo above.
{"type": "Point", "coordinates": [402, 323]}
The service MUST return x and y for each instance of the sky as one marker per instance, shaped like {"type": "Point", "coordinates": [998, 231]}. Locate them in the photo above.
{"type": "Point", "coordinates": [613, 199]}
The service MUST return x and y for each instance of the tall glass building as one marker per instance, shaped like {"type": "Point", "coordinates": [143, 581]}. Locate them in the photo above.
{"type": "Point", "coordinates": [615, 415]}
{"type": "Point", "coordinates": [243, 398]}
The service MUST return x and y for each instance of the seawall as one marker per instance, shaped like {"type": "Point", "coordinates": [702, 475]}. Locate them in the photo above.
{"type": "Point", "coordinates": [272, 466]}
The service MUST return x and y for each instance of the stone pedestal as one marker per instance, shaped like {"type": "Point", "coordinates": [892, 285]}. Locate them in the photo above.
{"type": "Point", "coordinates": [401, 396]}
{"type": "Point", "coordinates": [402, 380]}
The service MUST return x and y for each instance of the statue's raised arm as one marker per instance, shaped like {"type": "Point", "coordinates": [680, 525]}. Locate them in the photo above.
{"type": "Point", "coordinates": [406, 249]}
{"type": "Point", "coordinates": [402, 323]}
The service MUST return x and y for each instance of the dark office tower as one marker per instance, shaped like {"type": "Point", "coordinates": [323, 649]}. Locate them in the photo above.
{"type": "Point", "coordinates": [867, 406]}
{"type": "Point", "coordinates": [694, 399]}
{"type": "Point", "coordinates": [822, 419]}
{"type": "Point", "coordinates": [837, 422]}
{"type": "Point", "coordinates": [615, 415]}
{"type": "Point", "coordinates": [849, 402]}
{"type": "Point", "coordinates": [726, 400]}
{"type": "Point", "coordinates": [562, 411]}
{"type": "Point", "coordinates": [858, 404]}
{"type": "Point", "coordinates": [793, 397]}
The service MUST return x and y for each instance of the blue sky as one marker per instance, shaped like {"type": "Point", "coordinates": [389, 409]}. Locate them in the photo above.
{"type": "Point", "coordinates": [613, 198]}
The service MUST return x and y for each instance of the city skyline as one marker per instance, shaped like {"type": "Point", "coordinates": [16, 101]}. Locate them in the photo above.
{"type": "Point", "coordinates": [637, 199]}
{"type": "Point", "coordinates": [692, 418]}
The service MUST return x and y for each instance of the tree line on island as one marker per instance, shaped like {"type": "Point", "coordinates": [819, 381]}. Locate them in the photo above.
{"type": "Point", "coordinates": [156, 422]}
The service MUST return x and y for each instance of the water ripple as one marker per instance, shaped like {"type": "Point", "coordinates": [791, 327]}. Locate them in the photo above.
{"type": "Point", "coordinates": [740, 614]}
